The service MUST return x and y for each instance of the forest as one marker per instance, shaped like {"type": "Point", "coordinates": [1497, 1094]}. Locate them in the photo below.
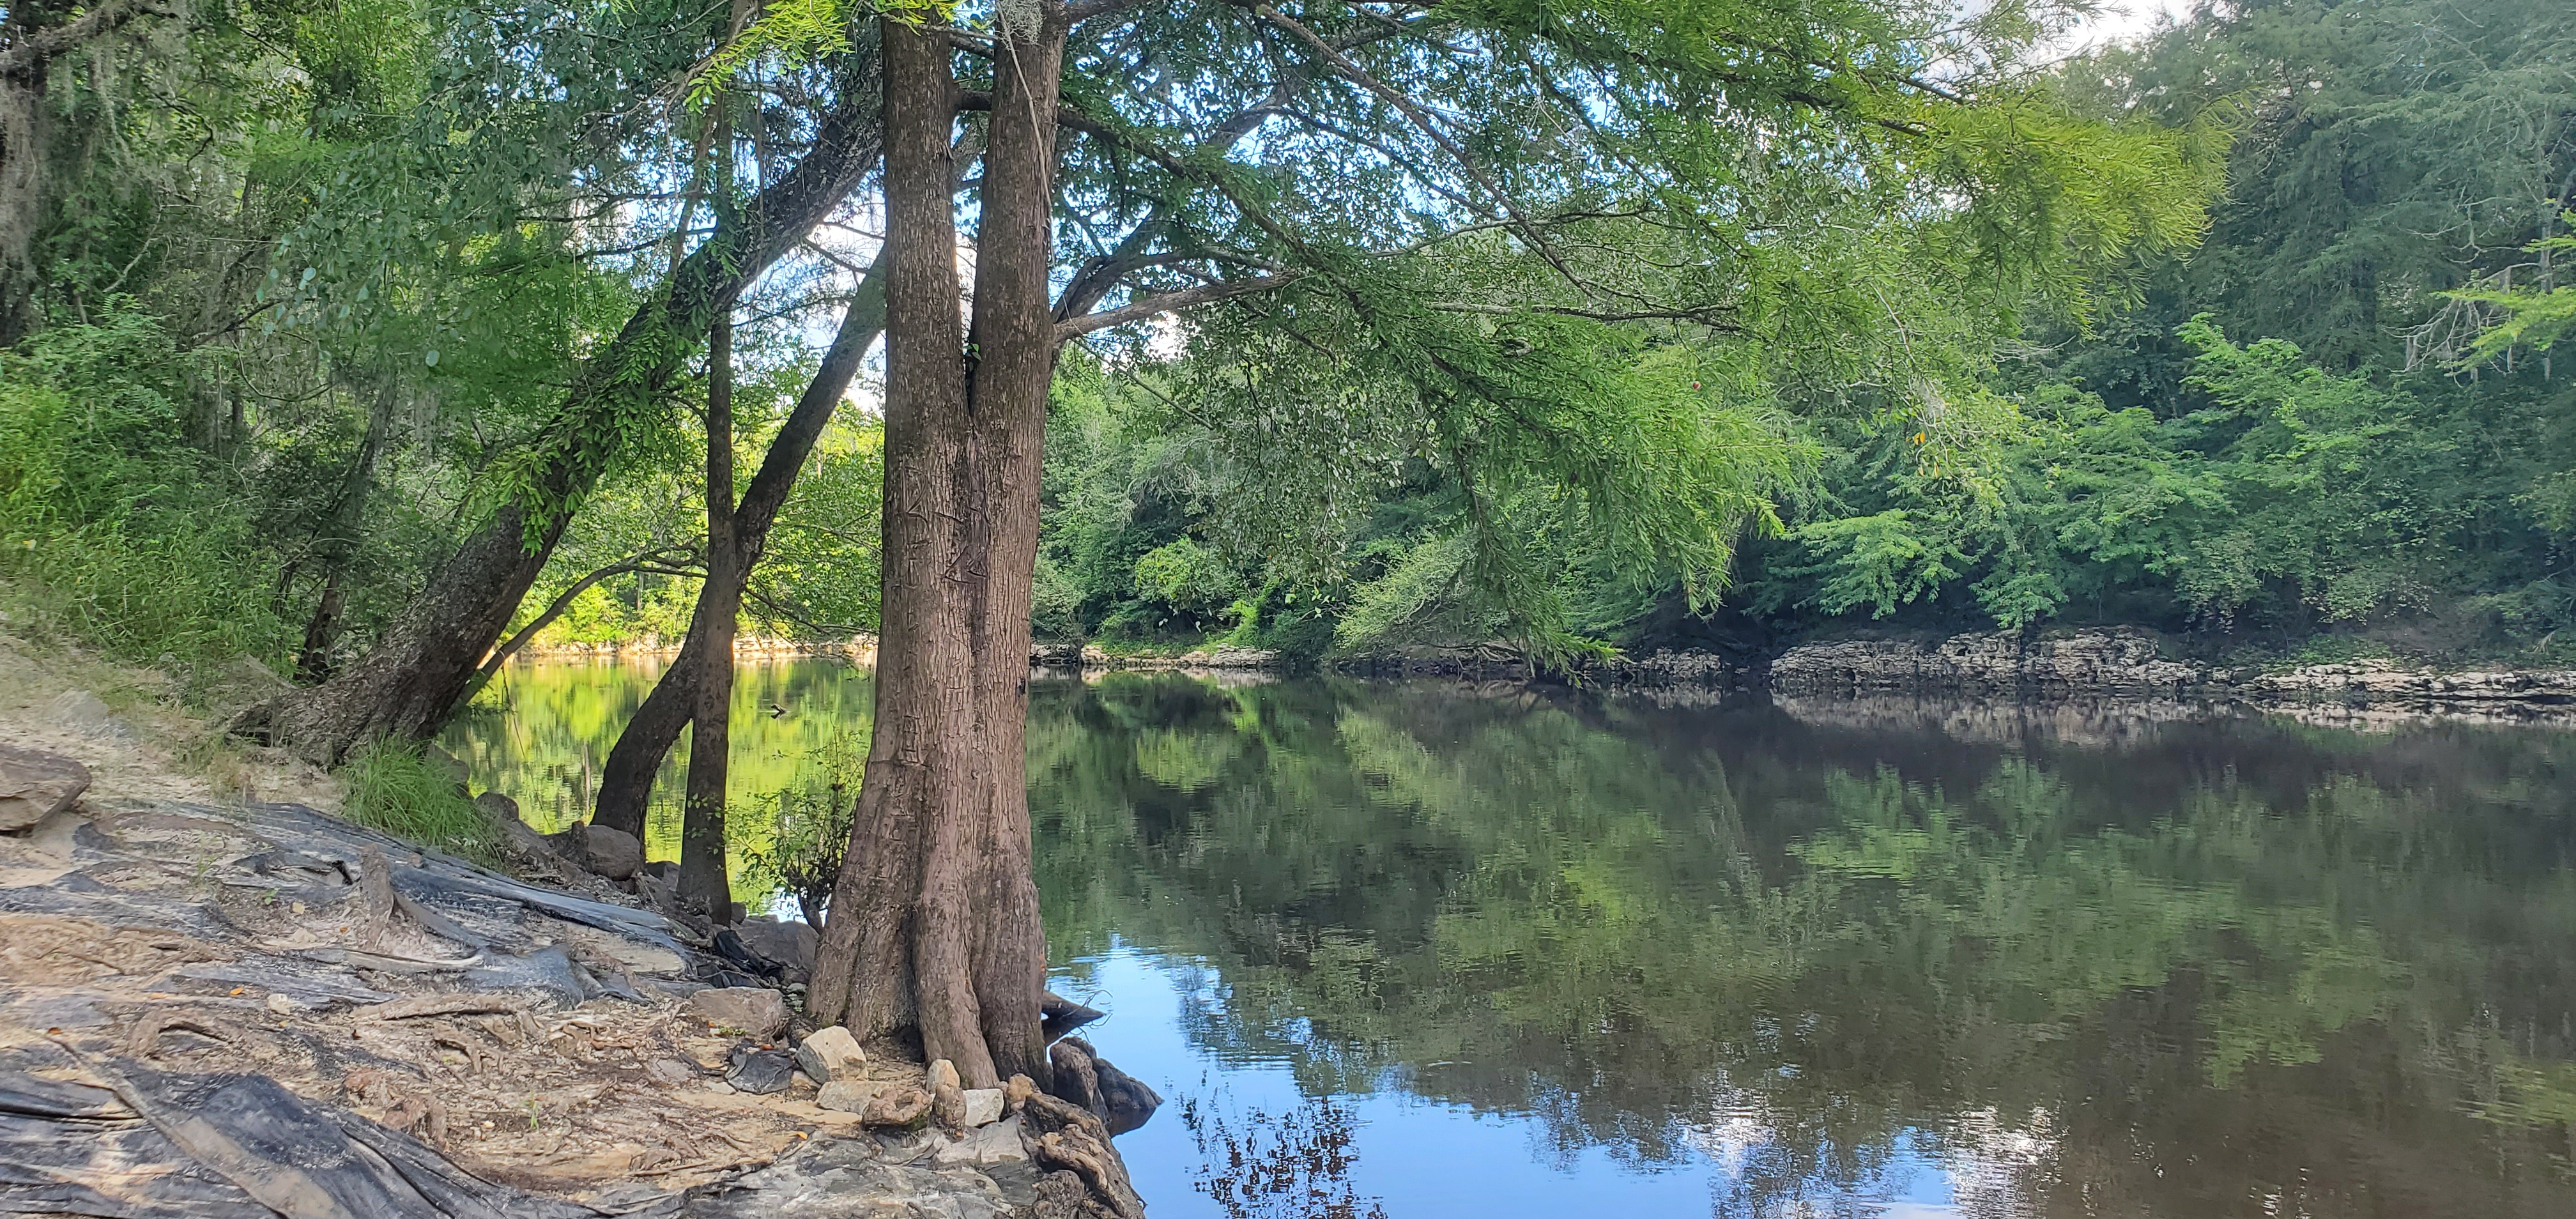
{"type": "Point", "coordinates": [292, 292]}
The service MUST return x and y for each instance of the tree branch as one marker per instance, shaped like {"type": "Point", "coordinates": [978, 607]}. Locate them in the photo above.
{"type": "Point", "coordinates": [1167, 302]}
{"type": "Point", "coordinates": [46, 43]}
{"type": "Point", "coordinates": [1089, 9]}
{"type": "Point", "coordinates": [660, 559]}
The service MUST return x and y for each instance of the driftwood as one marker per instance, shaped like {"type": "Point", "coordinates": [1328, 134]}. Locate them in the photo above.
{"type": "Point", "coordinates": [443, 1005]}
{"type": "Point", "coordinates": [1062, 1136]}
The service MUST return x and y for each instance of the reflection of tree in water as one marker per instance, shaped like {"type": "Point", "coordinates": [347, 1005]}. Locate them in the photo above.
{"type": "Point", "coordinates": [543, 733]}
{"type": "Point", "coordinates": [2199, 971]}
{"type": "Point", "coordinates": [1293, 1165]}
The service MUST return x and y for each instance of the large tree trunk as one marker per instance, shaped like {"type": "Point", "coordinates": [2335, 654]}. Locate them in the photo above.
{"type": "Point", "coordinates": [626, 783]}
{"type": "Point", "coordinates": [705, 882]}
{"type": "Point", "coordinates": [412, 681]}
{"type": "Point", "coordinates": [1014, 334]}
{"type": "Point", "coordinates": [934, 929]}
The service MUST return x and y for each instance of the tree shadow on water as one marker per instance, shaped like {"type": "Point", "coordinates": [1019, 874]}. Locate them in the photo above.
{"type": "Point", "coordinates": [1292, 1165]}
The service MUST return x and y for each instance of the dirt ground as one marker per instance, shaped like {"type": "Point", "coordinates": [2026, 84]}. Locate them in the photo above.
{"type": "Point", "coordinates": [132, 729]}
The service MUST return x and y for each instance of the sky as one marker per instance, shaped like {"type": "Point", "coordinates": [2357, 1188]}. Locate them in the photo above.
{"type": "Point", "coordinates": [2121, 19]}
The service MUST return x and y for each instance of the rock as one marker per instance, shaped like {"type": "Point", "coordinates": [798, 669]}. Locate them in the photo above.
{"type": "Point", "coordinates": [445, 763]}
{"type": "Point", "coordinates": [756, 1010]}
{"type": "Point", "coordinates": [612, 853]}
{"type": "Point", "coordinates": [1017, 1092]}
{"type": "Point", "coordinates": [762, 1072]}
{"type": "Point", "coordinates": [947, 1099]}
{"type": "Point", "coordinates": [851, 1095]}
{"type": "Point", "coordinates": [1129, 1102]}
{"type": "Point", "coordinates": [499, 808]}
{"type": "Point", "coordinates": [82, 712]}
{"type": "Point", "coordinates": [899, 1106]}
{"type": "Point", "coordinates": [788, 943]}
{"type": "Point", "coordinates": [1121, 1101]}
{"type": "Point", "coordinates": [830, 1054]}
{"type": "Point", "coordinates": [670, 1071]}
{"type": "Point", "coordinates": [983, 1107]}
{"type": "Point", "coordinates": [831, 1178]}
{"type": "Point", "coordinates": [1055, 655]}
{"type": "Point", "coordinates": [1064, 1136]}
{"type": "Point", "coordinates": [242, 679]}
{"type": "Point", "coordinates": [35, 785]}
{"type": "Point", "coordinates": [2125, 662]}
{"type": "Point", "coordinates": [994, 1143]}
{"type": "Point", "coordinates": [503, 813]}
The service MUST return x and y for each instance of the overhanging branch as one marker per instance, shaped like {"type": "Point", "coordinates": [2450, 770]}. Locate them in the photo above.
{"type": "Point", "coordinates": [1166, 302]}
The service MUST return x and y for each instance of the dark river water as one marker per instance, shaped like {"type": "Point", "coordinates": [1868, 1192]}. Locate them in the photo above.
{"type": "Point", "coordinates": [1445, 950]}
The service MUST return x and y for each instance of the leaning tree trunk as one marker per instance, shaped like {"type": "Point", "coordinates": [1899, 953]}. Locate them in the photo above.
{"type": "Point", "coordinates": [934, 929]}
{"type": "Point", "coordinates": [411, 682]}
{"type": "Point", "coordinates": [626, 782]}
{"type": "Point", "coordinates": [705, 882]}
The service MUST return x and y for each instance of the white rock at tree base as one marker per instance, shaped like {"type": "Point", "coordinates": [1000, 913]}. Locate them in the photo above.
{"type": "Point", "coordinates": [830, 1054]}
{"type": "Point", "coordinates": [995, 1143]}
{"type": "Point", "coordinates": [983, 1106]}
{"type": "Point", "coordinates": [947, 1100]}
{"type": "Point", "coordinates": [850, 1095]}
{"type": "Point", "coordinates": [756, 1010]}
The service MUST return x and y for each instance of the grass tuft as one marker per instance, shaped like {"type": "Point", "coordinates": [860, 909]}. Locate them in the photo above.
{"type": "Point", "coordinates": [399, 789]}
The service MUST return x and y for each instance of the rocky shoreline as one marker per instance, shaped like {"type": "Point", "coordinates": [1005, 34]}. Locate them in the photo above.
{"type": "Point", "coordinates": [1091, 657]}
{"type": "Point", "coordinates": [2115, 662]}
{"type": "Point", "coordinates": [2135, 664]}
{"type": "Point", "coordinates": [2105, 663]}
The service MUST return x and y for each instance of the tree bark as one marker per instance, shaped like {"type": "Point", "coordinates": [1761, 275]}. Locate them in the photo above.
{"type": "Point", "coordinates": [705, 883]}
{"type": "Point", "coordinates": [626, 783]}
{"type": "Point", "coordinates": [339, 539]}
{"type": "Point", "coordinates": [411, 682]}
{"type": "Point", "coordinates": [934, 928]}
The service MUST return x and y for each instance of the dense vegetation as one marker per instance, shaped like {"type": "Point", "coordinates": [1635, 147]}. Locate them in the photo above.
{"type": "Point", "coordinates": [294, 290]}
{"type": "Point", "coordinates": [290, 293]}
{"type": "Point", "coordinates": [2340, 414]}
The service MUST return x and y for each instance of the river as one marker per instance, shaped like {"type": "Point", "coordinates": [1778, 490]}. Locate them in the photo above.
{"type": "Point", "coordinates": [1429, 949]}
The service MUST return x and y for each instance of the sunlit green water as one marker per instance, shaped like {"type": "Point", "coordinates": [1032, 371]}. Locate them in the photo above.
{"type": "Point", "coordinates": [1554, 955]}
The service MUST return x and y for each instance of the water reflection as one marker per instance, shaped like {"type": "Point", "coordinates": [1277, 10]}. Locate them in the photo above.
{"type": "Point", "coordinates": [2183, 968]}
{"type": "Point", "coordinates": [1562, 955]}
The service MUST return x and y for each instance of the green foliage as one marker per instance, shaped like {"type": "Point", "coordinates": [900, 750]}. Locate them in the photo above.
{"type": "Point", "coordinates": [113, 526]}
{"type": "Point", "coordinates": [400, 790]}
{"type": "Point", "coordinates": [2535, 317]}
{"type": "Point", "coordinates": [810, 830]}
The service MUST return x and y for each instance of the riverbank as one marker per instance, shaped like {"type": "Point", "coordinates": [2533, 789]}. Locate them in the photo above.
{"type": "Point", "coordinates": [2101, 663]}
{"type": "Point", "coordinates": [860, 649]}
{"type": "Point", "coordinates": [2131, 663]}
{"type": "Point", "coordinates": [185, 929]}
